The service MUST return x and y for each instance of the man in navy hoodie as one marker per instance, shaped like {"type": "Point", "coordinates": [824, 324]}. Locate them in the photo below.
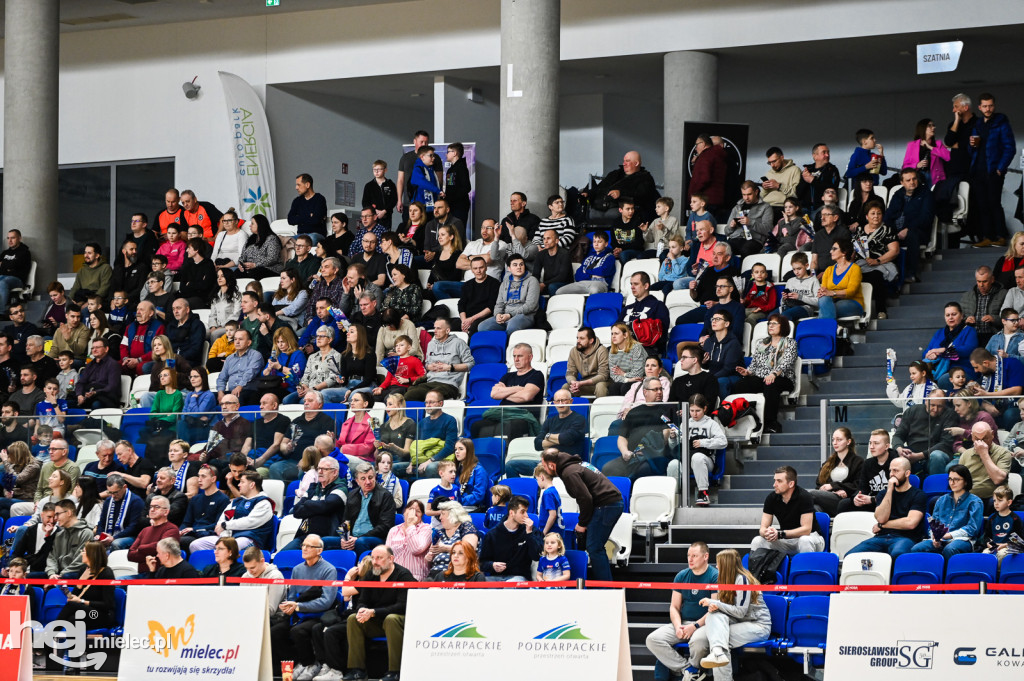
{"type": "Point", "coordinates": [992, 150]}
{"type": "Point", "coordinates": [596, 272]}
{"type": "Point", "coordinates": [509, 549]}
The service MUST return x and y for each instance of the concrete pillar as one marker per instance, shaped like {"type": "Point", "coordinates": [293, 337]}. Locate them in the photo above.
{"type": "Point", "coordinates": [691, 94]}
{"type": "Point", "coordinates": [529, 101]}
{"type": "Point", "coordinates": [31, 51]}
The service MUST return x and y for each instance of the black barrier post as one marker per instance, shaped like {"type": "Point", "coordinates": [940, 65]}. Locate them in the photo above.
{"type": "Point", "coordinates": [983, 587]}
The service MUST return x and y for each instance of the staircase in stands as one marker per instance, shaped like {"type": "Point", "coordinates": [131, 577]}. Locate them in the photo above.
{"type": "Point", "coordinates": [736, 515]}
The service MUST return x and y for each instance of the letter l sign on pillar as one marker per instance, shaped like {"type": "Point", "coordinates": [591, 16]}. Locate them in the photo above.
{"type": "Point", "coordinates": [509, 91]}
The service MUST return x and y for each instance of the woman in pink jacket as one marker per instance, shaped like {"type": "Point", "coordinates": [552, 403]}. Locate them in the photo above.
{"type": "Point", "coordinates": [926, 153]}
{"type": "Point", "coordinates": [355, 439]}
{"type": "Point", "coordinates": [411, 540]}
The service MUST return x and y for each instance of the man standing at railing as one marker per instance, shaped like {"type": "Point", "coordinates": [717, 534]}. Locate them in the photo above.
{"type": "Point", "coordinates": [600, 505]}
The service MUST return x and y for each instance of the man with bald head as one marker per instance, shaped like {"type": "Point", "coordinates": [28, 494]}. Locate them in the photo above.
{"type": "Point", "coordinates": [566, 433]}
{"type": "Point", "coordinates": [186, 332]}
{"type": "Point", "coordinates": [629, 179]}
{"type": "Point", "coordinates": [899, 514]}
{"type": "Point", "coordinates": [137, 346]}
{"type": "Point", "coordinates": [988, 462]}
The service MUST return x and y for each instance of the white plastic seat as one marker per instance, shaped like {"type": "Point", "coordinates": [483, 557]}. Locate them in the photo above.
{"type": "Point", "coordinates": [1013, 481]}
{"type": "Point", "coordinates": [292, 411]}
{"type": "Point", "coordinates": [25, 291]}
{"type": "Point", "coordinates": [126, 391]}
{"type": "Point", "coordinates": [628, 298]}
{"type": "Point", "coordinates": [850, 529]}
{"type": "Point", "coordinates": [560, 344]}
{"type": "Point", "coordinates": [603, 411]}
{"type": "Point", "coordinates": [287, 529]}
{"type": "Point", "coordinates": [270, 284]}
{"type": "Point", "coordinates": [453, 307]}
{"type": "Point", "coordinates": [604, 335]}
{"type": "Point", "coordinates": [535, 338]}
{"type": "Point", "coordinates": [420, 489]}
{"type": "Point", "coordinates": [521, 448]}
{"type": "Point", "coordinates": [141, 384]}
{"type": "Point", "coordinates": [204, 316]}
{"type": "Point", "coordinates": [275, 490]}
{"type": "Point", "coordinates": [119, 564]}
{"type": "Point", "coordinates": [745, 429]}
{"type": "Point", "coordinates": [882, 192]}
{"type": "Point", "coordinates": [424, 276]}
{"type": "Point", "coordinates": [282, 228]}
{"type": "Point", "coordinates": [771, 261]}
{"type": "Point", "coordinates": [653, 500]}
{"type": "Point", "coordinates": [678, 302]}
{"type": "Point", "coordinates": [787, 265]}
{"type": "Point", "coordinates": [110, 415]}
{"type": "Point", "coordinates": [861, 320]}
{"type": "Point", "coordinates": [569, 504]}
{"type": "Point", "coordinates": [212, 378]}
{"type": "Point", "coordinates": [457, 410]}
{"type": "Point", "coordinates": [648, 265]}
{"type": "Point", "coordinates": [566, 311]}
{"type": "Point", "coordinates": [461, 335]}
{"type": "Point", "coordinates": [620, 542]}
{"type": "Point", "coordinates": [868, 569]}
{"type": "Point", "coordinates": [243, 282]}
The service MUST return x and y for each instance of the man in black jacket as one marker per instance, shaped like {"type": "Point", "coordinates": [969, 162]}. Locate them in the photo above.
{"type": "Point", "coordinates": [368, 527]}
{"type": "Point", "coordinates": [323, 507]}
{"type": "Point", "coordinates": [457, 185]}
{"type": "Point", "coordinates": [510, 548]}
{"type": "Point", "coordinates": [197, 278]}
{"type": "Point", "coordinates": [36, 541]}
{"type": "Point", "coordinates": [923, 435]}
{"type": "Point", "coordinates": [600, 505]}
{"type": "Point", "coordinates": [816, 177]}
{"type": "Point", "coordinates": [478, 297]}
{"type": "Point", "coordinates": [129, 273]}
{"type": "Point", "coordinates": [186, 332]}
{"type": "Point", "coordinates": [15, 263]}
{"type": "Point", "coordinates": [379, 612]}
{"type": "Point", "coordinates": [629, 179]}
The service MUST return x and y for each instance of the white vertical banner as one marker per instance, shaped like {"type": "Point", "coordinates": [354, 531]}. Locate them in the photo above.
{"type": "Point", "coordinates": [251, 153]}
{"type": "Point", "coordinates": [197, 632]}
{"type": "Point", "coordinates": [559, 633]}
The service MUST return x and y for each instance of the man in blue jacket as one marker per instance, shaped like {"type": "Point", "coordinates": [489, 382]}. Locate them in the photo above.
{"type": "Point", "coordinates": [509, 549]}
{"type": "Point", "coordinates": [992, 149]}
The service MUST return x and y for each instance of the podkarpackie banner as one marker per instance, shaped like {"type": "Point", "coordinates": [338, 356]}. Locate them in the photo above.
{"type": "Point", "coordinates": [251, 152]}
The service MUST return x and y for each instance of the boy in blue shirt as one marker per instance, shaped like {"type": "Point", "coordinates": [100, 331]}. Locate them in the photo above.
{"type": "Point", "coordinates": [442, 492]}
{"type": "Point", "coordinates": [864, 159]}
{"type": "Point", "coordinates": [1001, 524]}
{"type": "Point", "coordinates": [549, 505]}
{"type": "Point", "coordinates": [496, 514]}
{"type": "Point", "coordinates": [423, 180]}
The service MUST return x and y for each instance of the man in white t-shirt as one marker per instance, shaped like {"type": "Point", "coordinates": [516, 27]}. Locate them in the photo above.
{"type": "Point", "coordinates": [488, 247]}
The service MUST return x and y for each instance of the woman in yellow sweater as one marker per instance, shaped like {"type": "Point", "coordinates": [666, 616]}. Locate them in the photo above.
{"type": "Point", "coordinates": [840, 294]}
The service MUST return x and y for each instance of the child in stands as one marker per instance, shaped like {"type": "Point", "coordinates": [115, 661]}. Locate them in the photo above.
{"type": "Point", "coordinates": [16, 569]}
{"type": "Point", "coordinates": [445, 491]}
{"type": "Point", "coordinates": [699, 214]}
{"type": "Point", "coordinates": [387, 479]}
{"type": "Point", "coordinates": [496, 514]}
{"type": "Point", "coordinates": [549, 505]}
{"type": "Point", "coordinates": [222, 347]}
{"type": "Point", "coordinates": [958, 378]}
{"type": "Point", "coordinates": [68, 375]}
{"type": "Point", "coordinates": [800, 299]}
{"type": "Point", "coordinates": [673, 270]}
{"type": "Point", "coordinates": [118, 316]}
{"type": "Point", "coordinates": [553, 566]}
{"type": "Point", "coordinates": [761, 298]}
{"type": "Point", "coordinates": [706, 438]}
{"type": "Point", "coordinates": [43, 437]}
{"type": "Point", "coordinates": [52, 409]}
{"type": "Point", "coordinates": [793, 229]}
{"type": "Point", "coordinates": [662, 228]}
{"type": "Point", "coordinates": [1001, 524]}
{"type": "Point", "coordinates": [409, 370]}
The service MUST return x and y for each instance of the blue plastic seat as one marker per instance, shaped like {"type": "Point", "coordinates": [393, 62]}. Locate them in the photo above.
{"type": "Point", "coordinates": [490, 453]}
{"type": "Point", "coordinates": [577, 564]}
{"type": "Point", "coordinates": [778, 606]}
{"type": "Point", "coordinates": [1011, 570]}
{"type": "Point", "coordinates": [625, 486]}
{"type": "Point", "coordinates": [556, 378]}
{"type": "Point", "coordinates": [342, 559]}
{"type": "Point", "coordinates": [780, 574]}
{"type": "Point", "coordinates": [807, 625]}
{"type": "Point", "coordinates": [679, 334]}
{"type": "Point", "coordinates": [132, 423]}
{"type": "Point", "coordinates": [915, 481]}
{"type": "Point", "coordinates": [605, 449]}
{"type": "Point", "coordinates": [968, 568]}
{"type": "Point", "coordinates": [525, 487]}
{"type": "Point", "coordinates": [813, 569]}
{"type": "Point", "coordinates": [481, 379]}
{"type": "Point", "coordinates": [918, 568]}
{"type": "Point", "coordinates": [478, 520]}
{"type": "Point", "coordinates": [201, 559]}
{"type": "Point", "coordinates": [488, 347]}
{"type": "Point", "coordinates": [120, 606]}
{"type": "Point", "coordinates": [287, 560]}
{"type": "Point", "coordinates": [816, 339]}
{"type": "Point", "coordinates": [602, 309]}
{"type": "Point", "coordinates": [404, 484]}
{"type": "Point", "coordinates": [935, 485]}
{"type": "Point", "coordinates": [53, 602]}
{"type": "Point", "coordinates": [249, 412]}
{"type": "Point", "coordinates": [825, 525]}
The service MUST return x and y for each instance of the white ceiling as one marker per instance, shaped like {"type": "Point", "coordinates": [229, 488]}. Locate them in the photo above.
{"type": "Point", "coordinates": [85, 15]}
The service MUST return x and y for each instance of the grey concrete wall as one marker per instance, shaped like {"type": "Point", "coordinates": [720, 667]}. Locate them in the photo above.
{"type": "Point", "coordinates": [467, 121]}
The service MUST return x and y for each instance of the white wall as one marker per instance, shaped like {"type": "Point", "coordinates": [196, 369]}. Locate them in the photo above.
{"type": "Point", "coordinates": [581, 139]}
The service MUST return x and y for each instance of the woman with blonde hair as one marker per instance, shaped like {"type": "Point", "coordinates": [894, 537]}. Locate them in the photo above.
{"type": "Point", "coordinates": [397, 433]}
{"type": "Point", "coordinates": [734, 618]}
{"type": "Point", "coordinates": [625, 360]}
{"type": "Point", "coordinates": [1008, 263]}
{"type": "Point", "coordinates": [163, 356]}
{"type": "Point", "coordinates": [286, 363]}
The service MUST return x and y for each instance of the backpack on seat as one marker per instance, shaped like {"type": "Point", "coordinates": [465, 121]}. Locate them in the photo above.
{"type": "Point", "coordinates": [731, 411]}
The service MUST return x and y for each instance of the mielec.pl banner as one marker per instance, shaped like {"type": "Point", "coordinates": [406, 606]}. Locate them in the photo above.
{"type": "Point", "coordinates": [918, 637]}
{"type": "Point", "coordinates": [217, 632]}
{"type": "Point", "coordinates": [554, 634]}
{"type": "Point", "coordinates": [251, 153]}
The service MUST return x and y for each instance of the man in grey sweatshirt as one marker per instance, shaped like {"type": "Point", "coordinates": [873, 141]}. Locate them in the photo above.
{"type": "Point", "coordinates": [518, 299]}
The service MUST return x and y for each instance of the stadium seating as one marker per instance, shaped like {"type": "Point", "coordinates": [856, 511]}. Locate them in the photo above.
{"type": "Point", "coordinates": [577, 564]}
{"type": "Point", "coordinates": [850, 529]}
{"type": "Point", "coordinates": [556, 379]}
{"type": "Point", "coordinates": [1011, 570]}
{"type": "Point", "coordinates": [866, 568]}
{"type": "Point", "coordinates": [679, 334]}
{"type": "Point", "coordinates": [602, 309]}
{"type": "Point", "coordinates": [935, 485]}
{"type": "Point", "coordinates": [918, 568]}
{"type": "Point", "coordinates": [813, 568]}
{"type": "Point", "coordinates": [605, 449]}
{"type": "Point", "coordinates": [565, 312]}
{"type": "Point", "coordinates": [560, 344]}
{"type": "Point", "coordinates": [968, 568]}
{"type": "Point", "coordinates": [535, 338]}
{"type": "Point", "coordinates": [482, 378]}
{"type": "Point", "coordinates": [807, 629]}
{"type": "Point", "coordinates": [488, 453]}
{"type": "Point", "coordinates": [524, 487]}
{"type": "Point", "coordinates": [653, 503]}
{"type": "Point", "coordinates": [488, 347]}
{"type": "Point", "coordinates": [603, 411]}
{"type": "Point", "coordinates": [420, 489]}
{"type": "Point", "coordinates": [625, 487]}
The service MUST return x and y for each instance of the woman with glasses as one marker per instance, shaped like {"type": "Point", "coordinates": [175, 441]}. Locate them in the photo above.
{"type": "Point", "coordinates": [878, 247]}
{"type": "Point", "coordinates": [225, 560]}
{"type": "Point", "coordinates": [199, 408]}
{"type": "Point", "coordinates": [728, 300]}
{"type": "Point", "coordinates": [227, 247]}
{"type": "Point", "coordinates": [772, 370]}
{"type": "Point", "coordinates": [839, 475]}
{"type": "Point", "coordinates": [840, 293]}
{"type": "Point", "coordinates": [959, 516]}
{"type": "Point", "coordinates": [322, 367]}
